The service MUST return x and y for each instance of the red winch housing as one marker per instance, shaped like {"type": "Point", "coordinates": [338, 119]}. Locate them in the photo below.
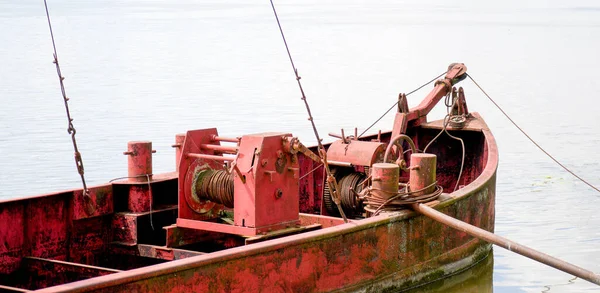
{"type": "Point", "coordinates": [255, 181]}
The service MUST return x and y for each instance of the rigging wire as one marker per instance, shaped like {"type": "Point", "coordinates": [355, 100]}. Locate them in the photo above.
{"type": "Point", "coordinates": [331, 181]}
{"type": "Point", "coordinates": [531, 139]}
{"type": "Point", "coordinates": [71, 129]}
{"type": "Point", "coordinates": [396, 103]}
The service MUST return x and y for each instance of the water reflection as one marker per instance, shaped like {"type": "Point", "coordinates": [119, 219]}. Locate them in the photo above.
{"type": "Point", "coordinates": [478, 279]}
{"type": "Point", "coordinates": [148, 69]}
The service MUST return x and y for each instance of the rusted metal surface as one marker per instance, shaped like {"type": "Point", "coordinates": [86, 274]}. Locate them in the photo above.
{"type": "Point", "coordinates": [275, 178]}
{"type": "Point", "coordinates": [418, 114]}
{"type": "Point", "coordinates": [293, 146]}
{"type": "Point", "coordinates": [457, 245]}
{"type": "Point", "coordinates": [225, 139]}
{"type": "Point", "coordinates": [211, 157]}
{"type": "Point", "coordinates": [358, 153]}
{"type": "Point", "coordinates": [385, 177]}
{"type": "Point", "coordinates": [324, 221]}
{"type": "Point", "coordinates": [9, 289]}
{"type": "Point", "coordinates": [265, 196]}
{"type": "Point", "coordinates": [214, 185]}
{"type": "Point", "coordinates": [383, 261]}
{"type": "Point", "coordinates": [50, 267]}
{"type": "Point", "coordinates": [179, 236]}
{"type": "Point", "coordinates": [257, 201]}
{"type": "Point", "coordinates": [400, 124]}
{"type": "Point", "coordinates": [154, 251]}
{"type": "Point", "coordinates": [422, 173]}
{"type": "Point", "coordinates": [378, 253]}
{"type": "Point", "coordinates": [35, 273]}
{"type": "Point", "coordinates": [311, 185]}
{"type": "Point", "coordinates": [133, 228]}
{"type": "Point", "coordinates": [89, 240]}
{"type": "Point", "coordinates": [396, 143]}
{"type": "Point", "coordinates": [282, 233]}
{"type": "Point", "coordinates": [139, 160]}
{"type": "Point", "coordinates": [220, 148]}
{"type": "Point", "coordinates": [179, 139]}
{"type": "Point", "coordinates": [190, 207]}
{"type": "Point", "coordinates": [125, 228]}
{"type": "Point", "coordinates": [139, 198]}
{"type": "Point", "coordinates": [101, 197]}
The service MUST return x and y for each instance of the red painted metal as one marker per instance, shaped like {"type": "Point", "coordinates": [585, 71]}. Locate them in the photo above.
{"type": "Point", "coordinates": [179, 139]}
{"type": "Point", "coordinates": [126, 228]}
{"type": "Point", "coordinates": [52, 266]}
{"type": "Point", "coordinates": [269, 197]}
{"type": "Point", "coordinates": [356, 152]}
{"type": "Point", "coordinates": [154, 251]}
{"type": "Point", "coordinates": [101, 199]}
{"type": "Point", "coordinates": [190, 206]}
{"type": "Point", "coordinates": [224, 139]}
{"type": "Point", "coordinates": [377, 253]}
{"type": "Point", "coordinates": [220, 148]}
{"type": "Point", "coordinates": [8, 289]}
{"type": "Point", "coordinates": [211, 157]}
{"type": "Point", "coordinates": [324, 221]}
{"type": "Point", "coordinates": [418, 115]}
{"type": "Point", "coordinates": [385, 177]}
{"type": "Point", "coordinates": [179, 236]}
{"type": "Point", "coordinates": [231, 229]}
{"type": "Point", "coordinates": [139, 160]}
{"type": "Point", "coordinates": [132, 224]}
{"type": "Point", "coordinates": [266, 185]}
{"type": "Point", "coordinates": [422, 173]}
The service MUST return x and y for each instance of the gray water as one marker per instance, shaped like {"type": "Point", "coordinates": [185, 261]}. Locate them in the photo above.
{"type": "Point", "coordinates": [148, 69]}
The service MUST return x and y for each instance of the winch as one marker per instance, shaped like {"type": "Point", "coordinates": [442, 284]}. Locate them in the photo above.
{"type": "Point", "coordinates": [350, 162]}
{"type": "Point", "coordinates": [247, 188]}
{"type": "Point", "coordinates": [368, 174]}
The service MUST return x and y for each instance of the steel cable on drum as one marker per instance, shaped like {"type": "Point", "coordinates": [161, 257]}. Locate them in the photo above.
{"type": "Point", "coordinates": [216, 186]}
{"type": "Point", "coordinates": [348, 192]}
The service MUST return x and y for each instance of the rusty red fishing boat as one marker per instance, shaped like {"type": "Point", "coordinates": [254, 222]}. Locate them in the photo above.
{"type": "Point", "coordinates": [264, 213]}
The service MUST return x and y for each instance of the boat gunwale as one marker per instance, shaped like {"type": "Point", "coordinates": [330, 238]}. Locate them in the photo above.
{"type": "Point", "coordinates": [175, 266]}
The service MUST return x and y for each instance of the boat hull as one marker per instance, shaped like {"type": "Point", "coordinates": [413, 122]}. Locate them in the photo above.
{"type": "Point", "coordinates": [386, 253]}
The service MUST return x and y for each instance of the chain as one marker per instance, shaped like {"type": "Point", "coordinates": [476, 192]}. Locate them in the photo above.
{"type": "Point", "coordinates": [331, 181]}
{"type": "Point", "coordinates": [71, 129]}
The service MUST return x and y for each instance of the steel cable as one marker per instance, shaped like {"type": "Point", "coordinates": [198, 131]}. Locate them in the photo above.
{"type": "Point", "coordinates": [531, 139]}
{"type": "Point", "coordinates": [396, 103]}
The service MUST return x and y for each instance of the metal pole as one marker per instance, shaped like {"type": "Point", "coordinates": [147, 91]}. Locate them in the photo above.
{"type": "Point", "coordinates": [508, 244]}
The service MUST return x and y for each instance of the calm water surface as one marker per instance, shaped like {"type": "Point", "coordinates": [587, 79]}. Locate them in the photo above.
{"type": "Point", "coordinates": [148, 69]}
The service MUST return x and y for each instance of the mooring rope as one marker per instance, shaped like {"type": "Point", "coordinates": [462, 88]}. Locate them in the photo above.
{"type": "Point", "coordinates": [531, 139]}
{"type": "Point", "coordinates": [462, 143]}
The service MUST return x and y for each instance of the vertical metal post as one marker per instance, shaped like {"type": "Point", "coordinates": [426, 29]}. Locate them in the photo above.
{"type": "Point", "coordinates": [422, 173]}
{"type": "Point", "coordinates": [139, 160]}
{"type": "Point", "coordinates": [179, 139]}
{"type": "Point", "coordinates": [385, 177]}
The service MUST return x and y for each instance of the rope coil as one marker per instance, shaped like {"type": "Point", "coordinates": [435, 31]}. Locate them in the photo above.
{"type": "Point", "coordinates": [400, 200]}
